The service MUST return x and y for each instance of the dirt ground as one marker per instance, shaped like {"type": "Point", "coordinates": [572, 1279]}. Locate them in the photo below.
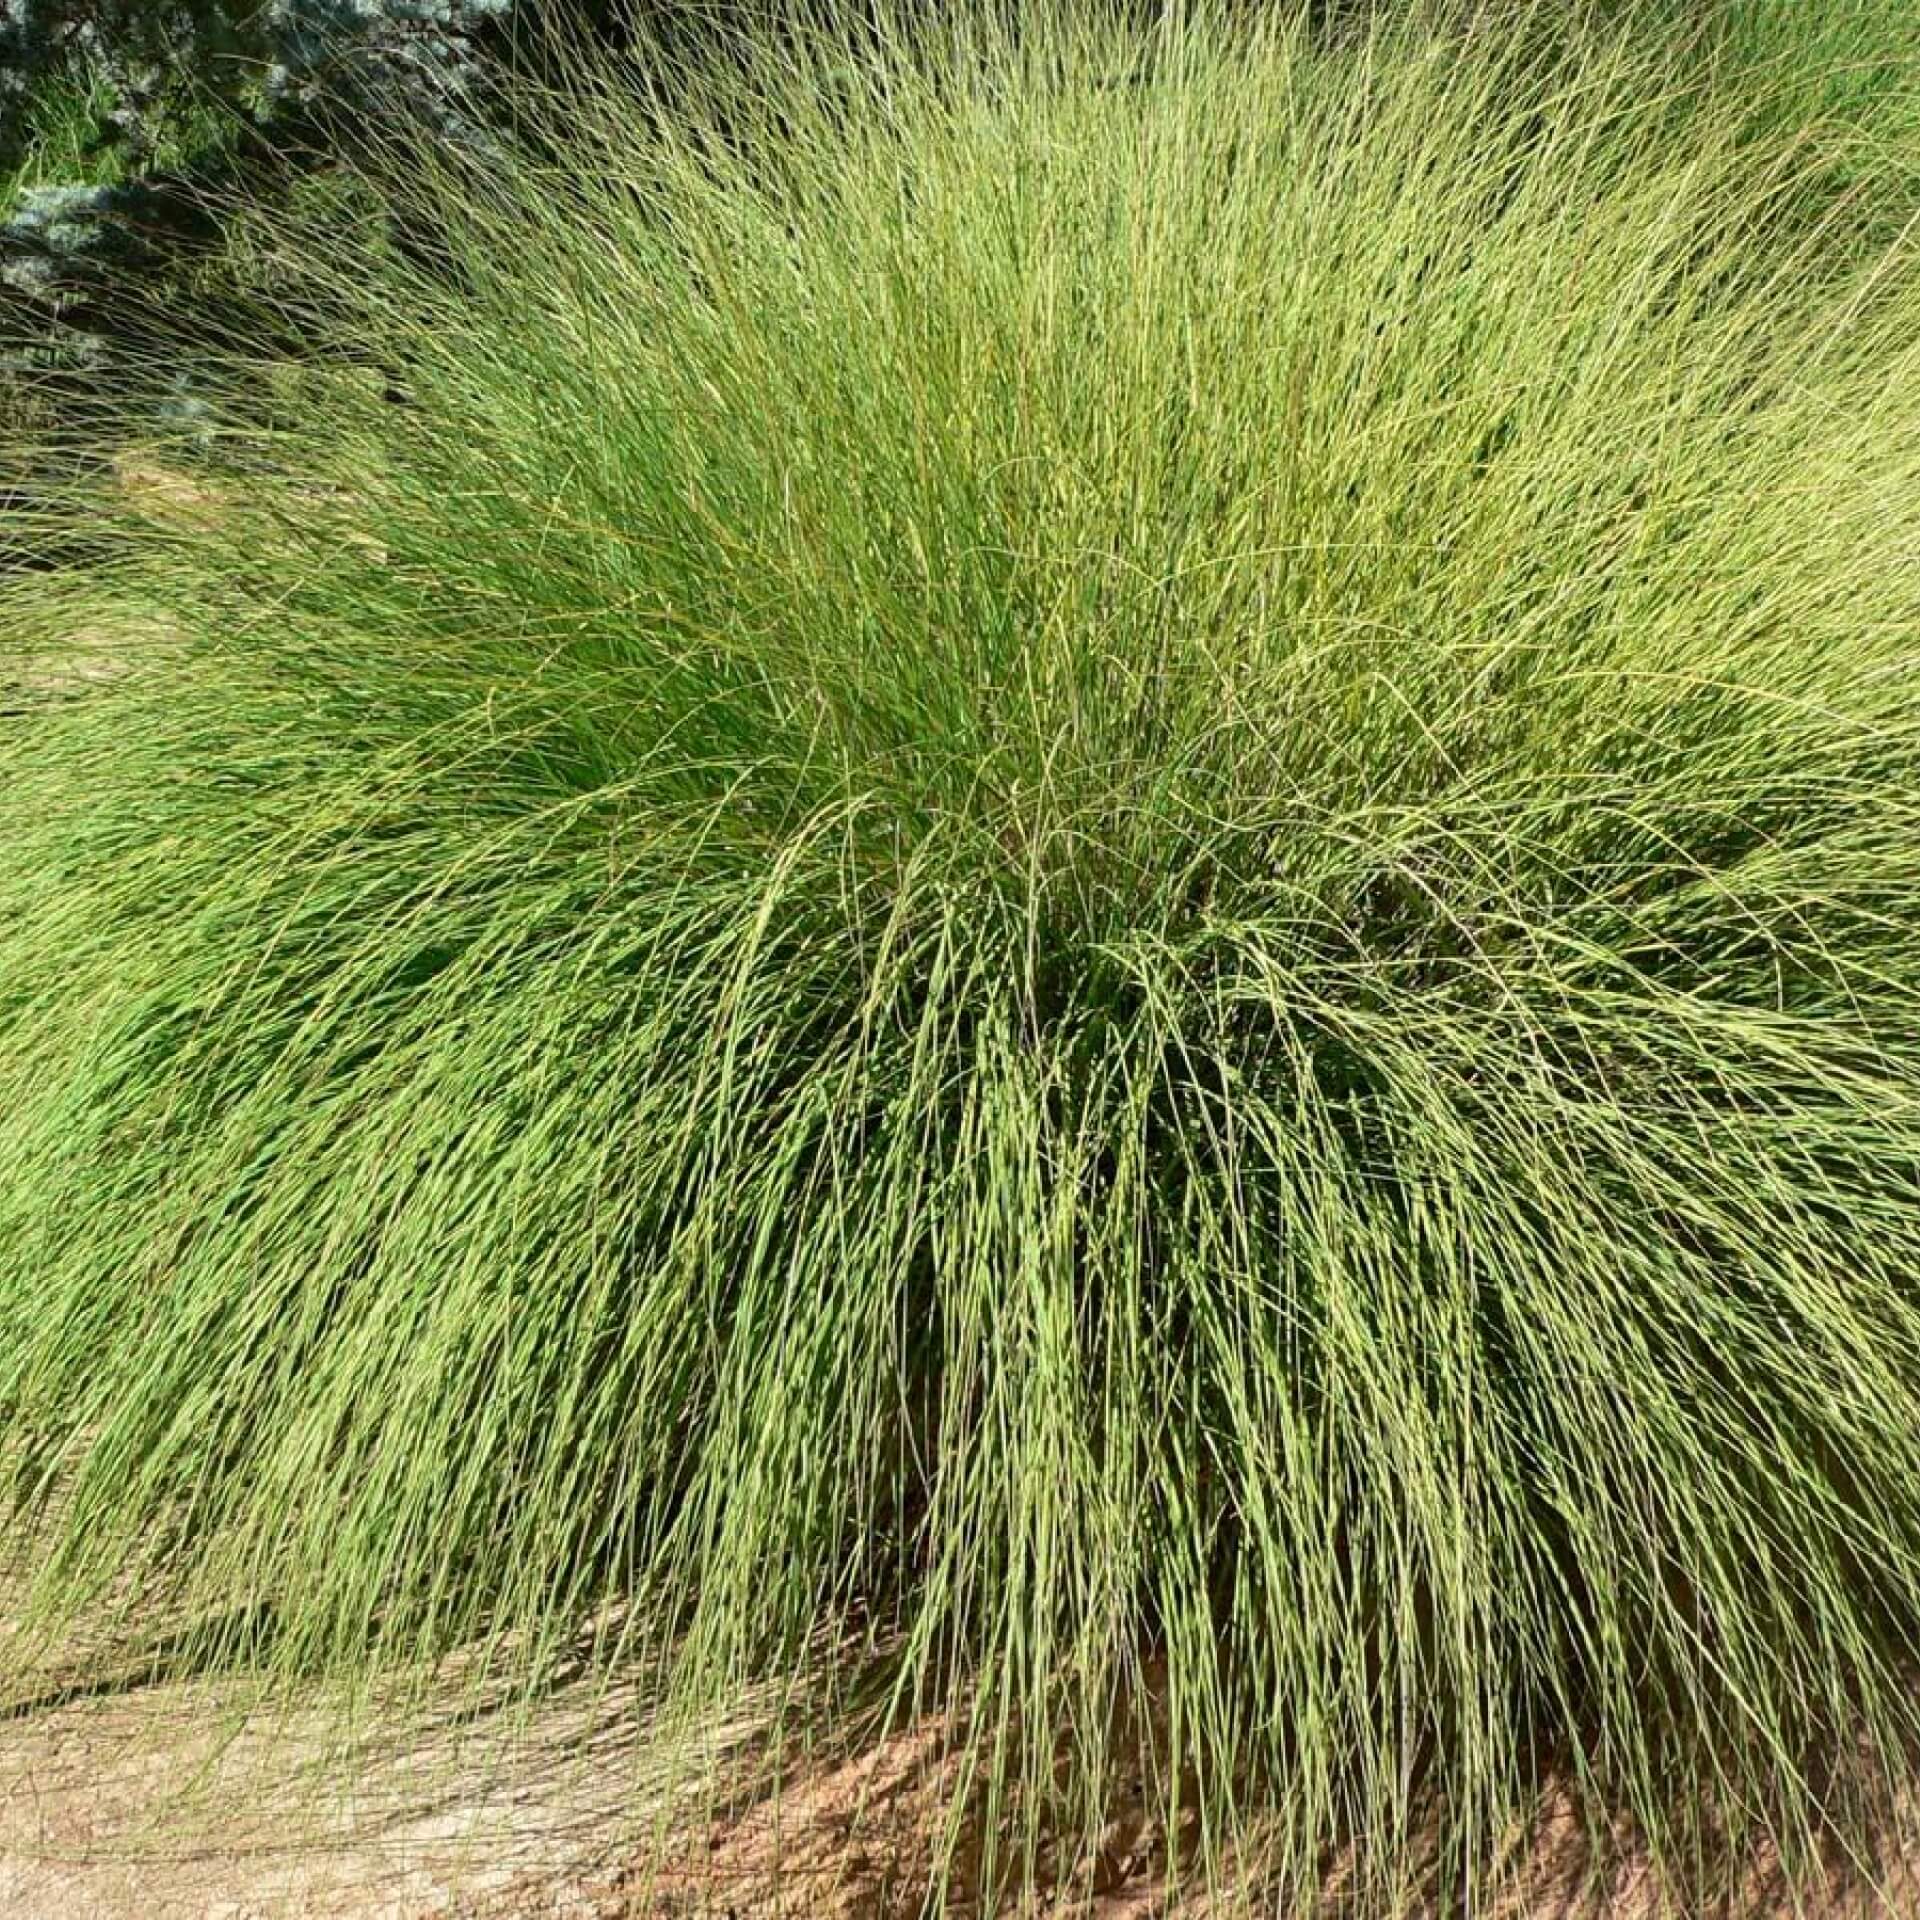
{"type": "Point", "coordinates": [166, 1802]}
{"type": "Point", "coordinates": [162, 1804]}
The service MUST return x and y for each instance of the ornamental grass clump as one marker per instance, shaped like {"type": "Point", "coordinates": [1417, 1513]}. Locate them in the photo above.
{"type": "Point", "coordinates": [1095, 862]}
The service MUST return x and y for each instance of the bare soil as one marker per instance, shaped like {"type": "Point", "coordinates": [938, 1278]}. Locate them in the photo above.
{"type": "Point", "coordinates": [168, 1801]}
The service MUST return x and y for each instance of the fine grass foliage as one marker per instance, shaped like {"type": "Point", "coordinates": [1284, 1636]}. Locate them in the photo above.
{"type": "Point", "coordinates": [63, 123]}
{"type": "Point", "coordinates": [1092, 860]}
